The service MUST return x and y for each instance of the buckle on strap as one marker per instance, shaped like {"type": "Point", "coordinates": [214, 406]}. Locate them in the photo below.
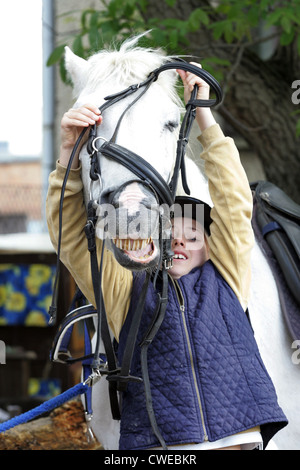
{"type": "Point", "coordinates": [168, 263]}
{"type": "Point", "coordinates": [93, 378]}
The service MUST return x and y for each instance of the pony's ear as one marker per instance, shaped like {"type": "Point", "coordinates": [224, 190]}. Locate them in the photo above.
{"type": "Point", "coordinates": [77, 69]}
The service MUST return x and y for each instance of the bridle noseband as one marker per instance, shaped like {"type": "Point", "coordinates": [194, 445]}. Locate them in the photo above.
{"type": "Point", "coordinates": [119, 376]}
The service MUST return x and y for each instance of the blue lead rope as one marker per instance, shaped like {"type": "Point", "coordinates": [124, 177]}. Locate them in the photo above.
{"type": "Point", "coordinates": [49, 405]}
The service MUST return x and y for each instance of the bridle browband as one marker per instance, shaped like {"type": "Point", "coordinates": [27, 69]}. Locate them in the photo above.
{"type": "Point", "coordinates": [119, 376]}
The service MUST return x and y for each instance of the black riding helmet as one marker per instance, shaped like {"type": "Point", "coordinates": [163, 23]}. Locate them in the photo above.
{"type": "Point", "coordinates": [186, 206]}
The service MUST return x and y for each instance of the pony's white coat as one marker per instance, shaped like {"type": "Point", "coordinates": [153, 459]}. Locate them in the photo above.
{"type": "Point", "coordinates": [143, 132]}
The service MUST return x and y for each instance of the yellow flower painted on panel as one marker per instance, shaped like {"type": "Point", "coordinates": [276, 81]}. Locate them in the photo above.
{"type": "Point", "coordinates": [35, 318]}
{"type": "Point", "coordinates": [15, 302]}
{"type": "Point", "coordinates": [10, 267]}
{"type": "Point", "coordinates": [3, 295]}
{"type": "Point", "coordinates": [33, 386]}
{"type": "Point", "coordinates": [6, 267]}
{"type": "Point", "coordinates": [38, 275]}
{"type": "Point", "coordinates": [45, 303]}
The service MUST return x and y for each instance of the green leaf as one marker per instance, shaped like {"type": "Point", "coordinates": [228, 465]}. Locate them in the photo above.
{"type": "Point", "coordinates": [142, 5]}
{"type": "Point", "coordinates": [128, 10]}
{"type": "Point", "coordinates": [218, 29]}
{"type": "Point", "coordinates": [287, 38]}
{"type": "Point", "coordinates": [56, 55]}
{"type": "Point", "coordinates": [94, 38]}
{"type": "Point", "coordinates": [112, 8]}
{"type": "Point", "coordinates": [77, 46]}
{"type": "Point", "coordinates": [83, 19]}
{"type": "Point", "coordinates": [197, 17]}
{"type": "Point", "coordinates": [274, 17]}
{"type": "Point", "coordinates": [254, 16]}
{"type": "Point", "coordinates": [173, 39]}
{"type": "Point", "coordinates": [216, 60]}
{"type": "Point", "coordinates": [94, 20]}
{"type": "Point", "coordinates": [158, 36]}
{"type": "Point", "coordinates": [228, 33]}
{"type": "Point", "coordinates": [171, 23]}
{"type": "Point", "coordinates": [294, 113]}
{"type": "Point", "coordinates": [63, 72]}
{"type": "Point", "coordinates": [286, 24]}
{"type": "Point", "coordinates": [264, 5]}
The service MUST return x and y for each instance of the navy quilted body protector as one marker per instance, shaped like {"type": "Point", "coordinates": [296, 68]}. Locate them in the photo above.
{"type": "Point", "coordinates": [207, 377]}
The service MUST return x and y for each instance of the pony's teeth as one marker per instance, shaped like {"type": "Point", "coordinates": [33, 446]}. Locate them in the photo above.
{"type": "Point", "coordinates": [131, 245]}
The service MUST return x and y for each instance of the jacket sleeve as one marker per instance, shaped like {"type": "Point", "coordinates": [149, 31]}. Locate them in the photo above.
{"type": "Point", "coordinates": [117, 281]}
{"type": "Point", "coordinates": [232, 237]}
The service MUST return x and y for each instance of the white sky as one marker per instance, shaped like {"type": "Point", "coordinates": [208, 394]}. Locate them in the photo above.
{"type": "Point", "coordinates": [21, 76]}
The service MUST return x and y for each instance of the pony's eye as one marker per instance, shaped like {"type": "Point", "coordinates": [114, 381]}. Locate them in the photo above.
{"type": "Point", "coordinates": [171, 126]}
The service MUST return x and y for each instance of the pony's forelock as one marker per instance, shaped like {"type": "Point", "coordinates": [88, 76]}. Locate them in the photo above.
{"type": "Point", "coordinates": [127, 65]}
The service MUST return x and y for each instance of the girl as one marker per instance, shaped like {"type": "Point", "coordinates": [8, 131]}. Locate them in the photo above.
{"type": "Point", "coordinates": [209, 386]}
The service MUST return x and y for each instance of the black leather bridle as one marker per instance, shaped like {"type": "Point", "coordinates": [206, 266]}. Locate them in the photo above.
{"type": "Point", "coordinates": [119, 376]}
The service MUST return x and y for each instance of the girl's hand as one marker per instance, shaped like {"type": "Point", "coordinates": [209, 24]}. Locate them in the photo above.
{"type": "Point", "coordinates": [72, 124]}
{"type": "Point", "coordinates": [204, 116]}
{"type": "Point", "coordinates": [190, 80]}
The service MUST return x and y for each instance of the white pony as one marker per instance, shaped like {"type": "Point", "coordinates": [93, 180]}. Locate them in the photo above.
{"type": "Point", "coordinates": [150, 130]}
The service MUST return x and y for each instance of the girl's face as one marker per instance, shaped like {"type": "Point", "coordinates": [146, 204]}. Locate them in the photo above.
{"type": "Point", "coordinates": [189, 246]}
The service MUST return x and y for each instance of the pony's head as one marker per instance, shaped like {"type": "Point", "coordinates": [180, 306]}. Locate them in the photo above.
{"type": "Point", "coordinates": [128, 208]}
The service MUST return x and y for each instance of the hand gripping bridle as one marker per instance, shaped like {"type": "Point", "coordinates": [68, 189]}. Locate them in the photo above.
{"type": "Point", "coordinates": [119, 376]}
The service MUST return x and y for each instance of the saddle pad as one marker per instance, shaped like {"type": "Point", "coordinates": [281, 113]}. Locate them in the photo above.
{"type": "Point", "coordinates": [290, 308]}
{"type": "Point", "coordinates": [278, 218]}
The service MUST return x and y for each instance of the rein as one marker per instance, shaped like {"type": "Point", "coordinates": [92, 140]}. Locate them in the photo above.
{"type": "Point", "coordinates": [119, 376]}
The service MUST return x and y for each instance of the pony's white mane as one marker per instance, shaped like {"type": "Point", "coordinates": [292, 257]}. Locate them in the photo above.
{"type": "Point", "coordinates": [126, 66]}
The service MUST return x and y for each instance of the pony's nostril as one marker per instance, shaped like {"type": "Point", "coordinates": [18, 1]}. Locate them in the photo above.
{"type": "Point", "coordinates": [107, 196]}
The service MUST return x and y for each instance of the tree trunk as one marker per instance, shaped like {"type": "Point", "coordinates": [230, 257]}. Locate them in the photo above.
{"type": "Point", "coordinates": [257, 100]}
{"type": "Point", "coordinates": [258, 105]}
{"type": "Point", "coordinates": [64, 429]}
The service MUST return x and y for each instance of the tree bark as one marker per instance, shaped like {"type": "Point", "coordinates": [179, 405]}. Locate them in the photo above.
{"type": "Point", "coordinates": [258, 105]}
{"type": "Point", "coordinates": [64, 429]}
{"type": "Point", "coordinates": [257, 101]}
